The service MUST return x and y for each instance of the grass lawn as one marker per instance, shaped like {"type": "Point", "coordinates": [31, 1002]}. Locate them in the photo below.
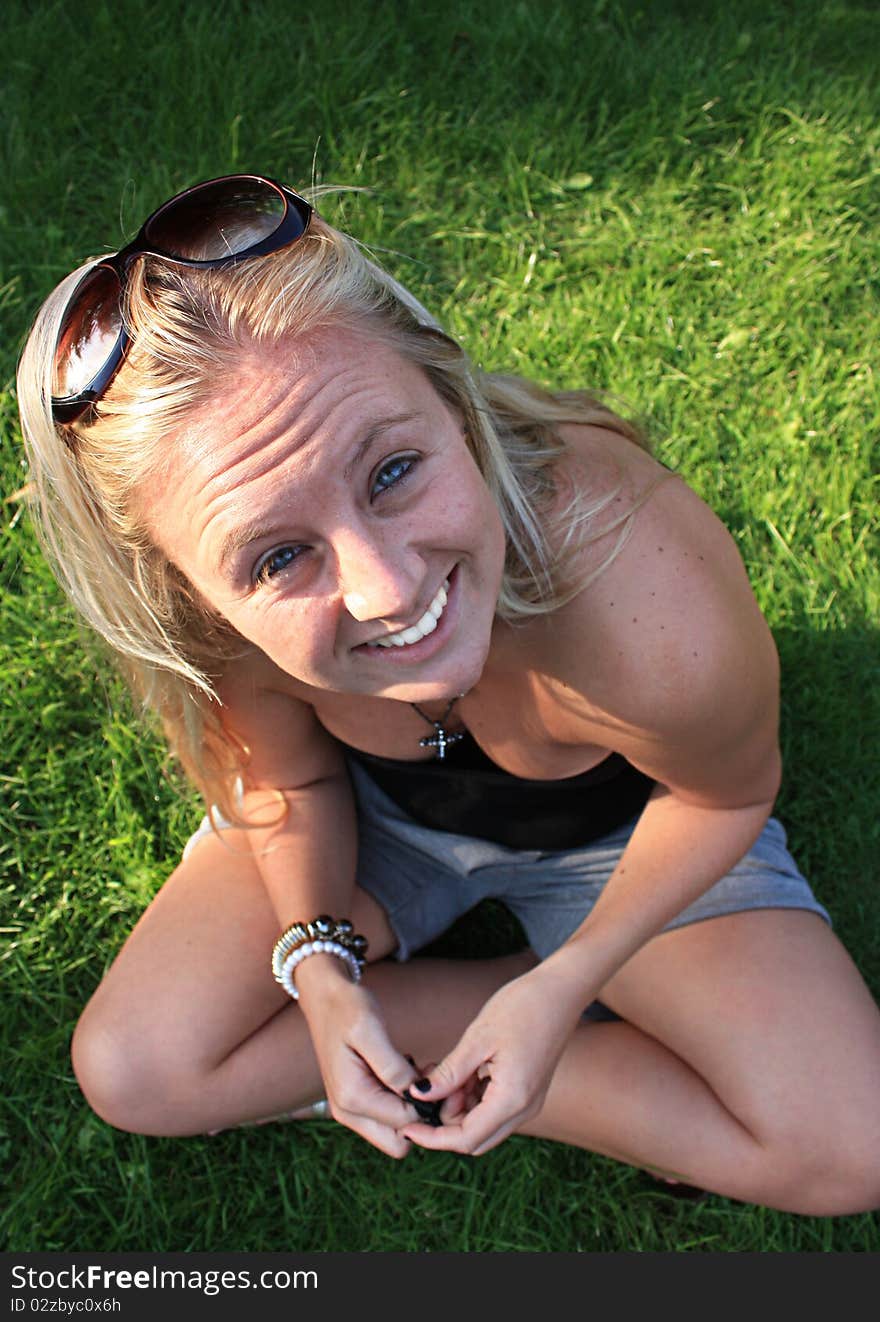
{"type": "Point", "coordinates": [674, 201]}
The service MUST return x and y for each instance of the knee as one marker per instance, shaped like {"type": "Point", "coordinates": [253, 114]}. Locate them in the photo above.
{"type": "Point", "coordinates": [825, 1174]}
{"type": "Point", "coordinates": [108, 1069]}
{"type": "Point", "coordinates": [122, 1075]}
{"type": "Point", "coordinates": [848, 1183]}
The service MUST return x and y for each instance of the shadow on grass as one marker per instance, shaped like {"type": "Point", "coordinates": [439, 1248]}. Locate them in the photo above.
{"type": "Point", "coordinates": [831, 785]}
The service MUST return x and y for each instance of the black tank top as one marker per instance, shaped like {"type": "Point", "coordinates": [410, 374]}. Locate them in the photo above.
{"type": "Point", "coordinates": [469, 795]}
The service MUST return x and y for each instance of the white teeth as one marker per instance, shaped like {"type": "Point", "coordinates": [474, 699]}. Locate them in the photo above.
{"type": "Point", "coordinates": [427, 624]}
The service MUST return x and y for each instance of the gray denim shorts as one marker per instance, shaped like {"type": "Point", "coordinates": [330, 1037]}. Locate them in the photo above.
{"type": "Point", "coordinates": [426, 879]}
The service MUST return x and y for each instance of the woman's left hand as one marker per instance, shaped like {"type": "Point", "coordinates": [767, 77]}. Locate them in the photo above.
{"type": "Point", "coordinates": [498, 1074]}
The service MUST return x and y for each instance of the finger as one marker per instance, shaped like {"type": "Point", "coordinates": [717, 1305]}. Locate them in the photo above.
{"type": "Point", "coordinates": [386, 1109]}
{"type": "Point", "coordinates": [474, 1092]}
{"type": "Point", "coordinates": [455, 1070]}
{"type": "Point", "coordinates": [381, 1056]}
{"type": "Point", "coordinates": [454, 1137]}
{"type": "Point", "coordinates": [481, 1129]}
{"type": "Point", "coordinates": [464, 1099]}
{"type": "Point", "coordinates": [456, 1106]}
{"type": "Point", "coordinates": [365, 1096]}
{"type": "Point", "coordinates": [429, 1112]}
{"type": "Point", "coordinates": [380, 1136]}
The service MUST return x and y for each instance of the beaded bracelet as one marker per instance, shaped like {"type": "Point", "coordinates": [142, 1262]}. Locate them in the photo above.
{"type": "Point", "coordinates": [324, 935]}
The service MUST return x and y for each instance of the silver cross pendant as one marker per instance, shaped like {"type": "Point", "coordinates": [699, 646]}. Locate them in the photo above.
{"type": "Point", "coordinates": [440, 740]}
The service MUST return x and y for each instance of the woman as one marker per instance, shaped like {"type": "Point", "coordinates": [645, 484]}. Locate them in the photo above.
{"type": "Point", "coordinates": [450, 636]}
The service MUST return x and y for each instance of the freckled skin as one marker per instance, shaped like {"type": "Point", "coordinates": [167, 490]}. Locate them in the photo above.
{"type": "Point", "coordinates": [357, 558]}
{"type": "Point", "coordinates": [332, 545]}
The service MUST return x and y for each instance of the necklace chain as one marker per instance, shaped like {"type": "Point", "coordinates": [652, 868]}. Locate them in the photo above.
{"type": "Point", "coordinates": [441, 739]}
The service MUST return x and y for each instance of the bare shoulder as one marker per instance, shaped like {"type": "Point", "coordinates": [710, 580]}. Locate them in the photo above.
{"type": "Point", "coordinates": [665, 641]}
{"type": "Point", "coordinates": [605, 466]}
{"type": "Point", "coordinates": [268, 712]}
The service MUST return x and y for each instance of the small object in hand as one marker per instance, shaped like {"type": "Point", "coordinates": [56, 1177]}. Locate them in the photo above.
{"type": "Point", "coordinates": [427, 1111]}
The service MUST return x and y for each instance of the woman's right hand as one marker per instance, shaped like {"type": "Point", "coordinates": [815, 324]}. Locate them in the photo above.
{"type": "Point", "coordinates": [363, 1072]}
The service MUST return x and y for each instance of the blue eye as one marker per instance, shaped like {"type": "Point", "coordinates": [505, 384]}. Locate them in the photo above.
{"type": "Point", "coordinates": [276, 562]}
{"type": "Point", "coordinates": [390, 474]}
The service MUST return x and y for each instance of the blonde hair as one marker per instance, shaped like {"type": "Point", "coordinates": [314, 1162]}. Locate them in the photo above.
{"type": "Point", "coordinates": [189, 329]}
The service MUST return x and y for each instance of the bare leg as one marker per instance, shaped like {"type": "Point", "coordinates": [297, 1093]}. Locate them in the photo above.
{"type": "Point", "coordinates": [189, 1032]}
{"type": "Point", "coordinates": [749, 1063]}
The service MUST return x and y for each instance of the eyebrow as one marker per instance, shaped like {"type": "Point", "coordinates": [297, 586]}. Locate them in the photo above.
{"type": "Point", "coordinates": [373, 434]}
{"type": "Point", "coordinates": [237, 538]}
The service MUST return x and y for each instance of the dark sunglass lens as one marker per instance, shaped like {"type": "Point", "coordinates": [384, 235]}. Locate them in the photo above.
{"type": "Point", "coordinates": [217, 219]}
{"type": "Point", "coordinates": [89, 332]}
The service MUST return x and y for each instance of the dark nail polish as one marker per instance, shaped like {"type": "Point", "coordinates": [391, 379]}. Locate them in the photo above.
{"type": "Point", "coordinates": [427, 1111]}
{"type": "Point", "coordinates": [423, 1085]}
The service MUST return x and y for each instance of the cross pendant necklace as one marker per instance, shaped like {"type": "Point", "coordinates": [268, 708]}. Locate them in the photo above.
{"type": "Point", "coordinates": [441, 739]}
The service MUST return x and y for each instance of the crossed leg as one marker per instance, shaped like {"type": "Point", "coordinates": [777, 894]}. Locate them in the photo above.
{"type": "Point", "coordinates": [747, 1062]}
{"type": "Point", "coordinates": [188, 1031]}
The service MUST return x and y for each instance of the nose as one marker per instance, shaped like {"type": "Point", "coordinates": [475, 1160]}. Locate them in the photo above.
{"type": "Point", "coordinates": [380, 580]}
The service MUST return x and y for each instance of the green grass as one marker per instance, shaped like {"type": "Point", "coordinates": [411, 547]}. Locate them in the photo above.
{"type": "Point", "coordinates": [677, 202]}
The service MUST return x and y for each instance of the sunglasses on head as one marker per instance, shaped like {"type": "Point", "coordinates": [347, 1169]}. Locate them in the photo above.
{"type": "Point", "coordinates": [214, 224]}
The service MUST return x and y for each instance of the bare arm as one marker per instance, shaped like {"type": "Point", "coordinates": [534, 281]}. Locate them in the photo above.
{"type": "Point", "coordinates": [303, 836]}
{"type": "Point", "coordinates": [297, 798]}
{"type": "Point", "coordinates": [703, 723]}
{"type": "Point", "coordinates": [667, 660]}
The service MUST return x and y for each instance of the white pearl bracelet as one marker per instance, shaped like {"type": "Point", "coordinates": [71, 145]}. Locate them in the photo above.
{"type": "Point", "coordinates": [284, 975]}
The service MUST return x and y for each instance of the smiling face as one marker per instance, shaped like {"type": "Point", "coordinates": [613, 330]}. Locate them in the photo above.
{"type": "Point", "coordinates": [328, 504]}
